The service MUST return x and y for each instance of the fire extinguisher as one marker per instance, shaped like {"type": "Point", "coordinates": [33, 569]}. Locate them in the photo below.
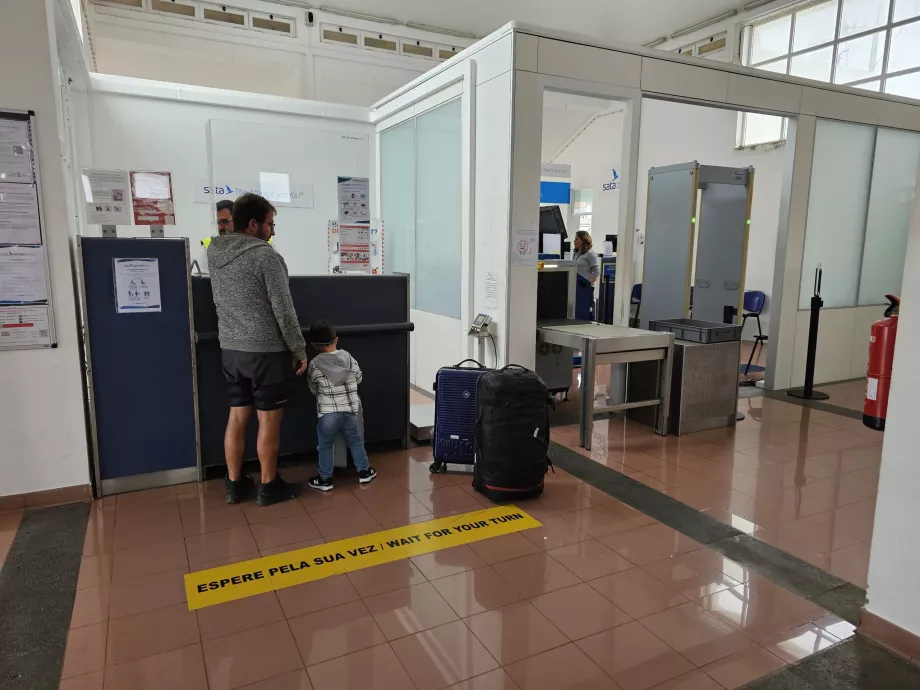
{"type": "Point", "coordinates": [881, 357]}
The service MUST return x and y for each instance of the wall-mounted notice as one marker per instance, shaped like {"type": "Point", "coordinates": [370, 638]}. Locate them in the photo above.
{"type": "Point", "coordinates": [106, 193]}
{"type": "Point", "coordinates": [19, 222]}
{"type": "Point", "coordinates": [152, 197]}
{"type": "Point", "coordinates": [15, 152]}
{"type": "Point", "coordinates": [25, 327]}
{"type": "Point", "coordinates": [491, 290]}
{"type": "Point", "coordinates": [524, 246]}
{"type": "Point", "coordinates": [137, 285]}
{"type": "Point", "coordinates": [354, 200]}
{"type": "Point", "coordinates": [22, 275]}
{"type": "Point", "coordinates": [355, 248]}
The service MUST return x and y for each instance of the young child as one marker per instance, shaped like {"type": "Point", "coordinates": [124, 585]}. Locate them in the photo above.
{"type": "Point", "coordinates": [333, 377]}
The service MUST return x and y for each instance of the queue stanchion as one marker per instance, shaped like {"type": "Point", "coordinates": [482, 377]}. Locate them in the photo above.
{"type": "Point", "coordinates": [808, 392]}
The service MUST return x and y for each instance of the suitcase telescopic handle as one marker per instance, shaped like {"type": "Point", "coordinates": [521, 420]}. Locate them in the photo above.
{"type": "Point", "coordinates": [471, 361]}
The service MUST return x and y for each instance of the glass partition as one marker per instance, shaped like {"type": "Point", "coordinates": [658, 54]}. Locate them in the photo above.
{"type": "Point", "coordinates": [397, 199]}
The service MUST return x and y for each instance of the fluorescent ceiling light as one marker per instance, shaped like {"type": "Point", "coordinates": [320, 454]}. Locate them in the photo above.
{"type": "Point", "coordinates": [657, 42]}
{"type": "Point", "coordinates": [703, 25]}
{"type": "Point", "coordinates": [358, 15]}
{"type": "Point", "coordinates": [439, 30]}
{"type": "Point", "coordinates": [756, 3]}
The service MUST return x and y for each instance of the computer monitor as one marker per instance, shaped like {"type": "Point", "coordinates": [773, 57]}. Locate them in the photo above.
{"type": "Point", "coordinates": [551, 223]}
{"type": "Point", "coordinates": [551, 243]}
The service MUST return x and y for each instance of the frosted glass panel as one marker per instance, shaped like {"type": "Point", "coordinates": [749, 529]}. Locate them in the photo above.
{"type": "Point", "coordinates": [837, 211]}
{"type": "Point", "coordinates": [905, 48]}
{"type": "Point", "coordinates": [397, 199]}
{"type": "Point", "coordinates": [815, 25]}
{"type": "Point", "coordinates": [863, 15]}
{"type": "Point", "coordinates": [894, 180]}
{"type": "Point", "coordinates": [438, 210]}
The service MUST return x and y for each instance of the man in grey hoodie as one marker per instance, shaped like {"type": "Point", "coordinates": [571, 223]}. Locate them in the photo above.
{"type": "Point", "coordinates": [263, 349]}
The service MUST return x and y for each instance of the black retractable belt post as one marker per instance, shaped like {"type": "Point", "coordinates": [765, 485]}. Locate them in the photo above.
{"type": "Point", "coordinates": [808, 392]}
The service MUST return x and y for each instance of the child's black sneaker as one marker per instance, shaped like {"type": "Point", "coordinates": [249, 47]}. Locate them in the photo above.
{"type": "Point", "coordinates": [240, 489]}
{"type": "Point", "coordinates": [276, 491]}
{"type": "Point", "coordinates": [321, 484]}
{"type": "Point", "coordinates": [368, 475]}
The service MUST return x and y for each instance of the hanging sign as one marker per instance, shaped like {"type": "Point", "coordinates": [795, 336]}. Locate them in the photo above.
{"type": "Point", "coordinates": [152, 197]}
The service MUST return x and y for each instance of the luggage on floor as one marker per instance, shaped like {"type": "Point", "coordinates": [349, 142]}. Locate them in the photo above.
{"type": "Point", "coordinates": [512, 434]}
{"type": "Point", "coordinates": [453, 438]}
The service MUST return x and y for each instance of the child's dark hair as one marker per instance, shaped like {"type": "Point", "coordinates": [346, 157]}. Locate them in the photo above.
{"type": "Point", "coordinates": [322, 333]}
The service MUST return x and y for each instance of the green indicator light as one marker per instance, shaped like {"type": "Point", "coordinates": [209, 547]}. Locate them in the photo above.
{"type": "Point", "coordinates": [693, 220]}
{"type": "Point", "coordinates": [748, 221]}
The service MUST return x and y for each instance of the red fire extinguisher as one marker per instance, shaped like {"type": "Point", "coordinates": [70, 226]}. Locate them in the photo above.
{"type": "Point", "coordinates": [881, 357]}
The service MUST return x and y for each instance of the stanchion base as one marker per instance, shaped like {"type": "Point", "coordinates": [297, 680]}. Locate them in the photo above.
{"type": "Point", "coordinates": [802, 395]}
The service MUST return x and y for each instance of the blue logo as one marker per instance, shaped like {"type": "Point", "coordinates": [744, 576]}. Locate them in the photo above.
{"type": "Point", "coordinates": [613, 184]}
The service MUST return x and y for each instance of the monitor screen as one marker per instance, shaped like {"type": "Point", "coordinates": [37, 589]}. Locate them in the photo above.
{"type": "Point", "coordinates": [551, 221]}
{"type": "Point", "coordinates": [551, 244]}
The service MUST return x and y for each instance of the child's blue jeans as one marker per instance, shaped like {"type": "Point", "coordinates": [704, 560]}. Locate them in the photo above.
{"type": "Point", "coordinates": [327, 428]}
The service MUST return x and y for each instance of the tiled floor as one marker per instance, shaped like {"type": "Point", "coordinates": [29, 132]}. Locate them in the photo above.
{"type": "Point", "coordinates": [849, 394]}
{"type": "Point", "coordinates": [601, 596]}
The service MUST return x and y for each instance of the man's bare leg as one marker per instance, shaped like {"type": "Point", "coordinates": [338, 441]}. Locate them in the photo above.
{"type": "Point", "coordinates": [269, 441]}
{"type": "Point", "coordinates": [235, 440]}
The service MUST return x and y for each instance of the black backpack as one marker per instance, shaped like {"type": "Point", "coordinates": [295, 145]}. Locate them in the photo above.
{"type": "Point", "coordinates": [512, 434]}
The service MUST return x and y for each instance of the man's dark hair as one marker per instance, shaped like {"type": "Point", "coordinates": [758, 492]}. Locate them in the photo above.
{"type": "Point", "coordinates": [322, 333]}
{"type": "Point", "coordinates": [250, 207]}
{"type": "Point", "coordinates": [225, 205]}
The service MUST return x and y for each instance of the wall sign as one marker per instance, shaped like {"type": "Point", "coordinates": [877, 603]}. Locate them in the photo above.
{"type": "Point", "coordinates": [287, 193]}
{"type": "Point", "coordinates": [556, 170]}
{"type": "Point", "coordinates": [137, 285]}
{"type": "Point", "coordinates": [354, 200]}
{"type": "Point", "coordinates": [152, 197]}
{"type": "Point", "coordinates": [107, 195]}
{"type": "Point", "coordinates": [613, 182]}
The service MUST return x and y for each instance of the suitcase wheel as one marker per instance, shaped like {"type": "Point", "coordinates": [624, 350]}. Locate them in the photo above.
{"type": "Point", "coordinates": [437, 466]}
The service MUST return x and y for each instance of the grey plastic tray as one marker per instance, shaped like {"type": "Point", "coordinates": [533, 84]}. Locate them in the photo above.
{"type": "Point", "coordinates": [698, 331]}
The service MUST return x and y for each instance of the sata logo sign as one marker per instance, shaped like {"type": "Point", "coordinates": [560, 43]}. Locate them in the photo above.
{"type": "Point", "coordinates": [614, 184]}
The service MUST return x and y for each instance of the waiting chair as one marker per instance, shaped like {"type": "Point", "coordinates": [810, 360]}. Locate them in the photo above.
{"type": "Point", "coordinates": [754, 302]}
{"type": "Point", "coordinates": [635, 299]}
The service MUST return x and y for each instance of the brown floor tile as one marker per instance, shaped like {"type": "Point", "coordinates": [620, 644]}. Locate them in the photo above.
{"type": "Point", "coordinates": [692, 681]}
{"type": "Point", "coordinates": [180, 669]}
{"type": "Point", "coordinates": [147, 593]}
{"type": "Point", "coordinates": [100, 533]}
{"type": "Point", "coordinates": [536, 574]}
{"type": "Point", "coordinates": [250, 656]}
{"type": "Point", "coordinates": [402, 507]}
{"type": "Point", "coordinates": [295, 680]}
{"type": "Point", "coordinates": [335, 632]}
{"type": "Point", "coordinates": [598, 521]}
{"type": "Point", "coordinates": [515, 632]}
{"type": "Point", "coordinates": [146, 560]}
{"type": "Point", "coordinates": [743, 667]}
{"type": "Point", "coordinates": [634, 657]}
{"type": "Point", "coordinates": [794, 645]}
{"type": "Point", "coordinates": [376, 668]}
{"type": "Point", "coordinates": [85, 650]}
{"type": "Point", "coordinates": [284, 532]}
{"type": "Point", "coordinates": [699, 636]}
{"type": "Point", "coordinates": [9, 524]}
{"type": "Point", "coordinates": [288, 548]}
{"type": "Point", "coordinates": [385, 578]}
{"type": "Point", "coordinates": [195, 521]}
{"type": "Point", "coordinates": [447, 498]}
{"type": "Point", "coordinates": [638, 546]}
{"type": "Point", "coordinates": [161, 494]}
{"type": "Point", "coordinates": [554, 533]}
{"type": "Point", "coordinates": [476, 591]}
{"type": "Point", "coordinates": [679, 543]}
{"type": "Point", "coordinates": [406, 611]}
{"type": "Point", "coordinates": [690, 576]}
{"type": "Point", "coordinates": [443, 656]}
{"type": "Point", "coordinates": [149, 633]}
{"type": "Point", "coordinates": [564, 668]}
{"type": "Point", "coordinates": [88, 681]}
{"type": "Point", "coordinates": [590, 559]}
{"type": "Point", "coordinates": [95, 571]}
{"type": "Point", "coordinates": [90, 606]}
{"type": "Point", "coordinates": [288, 509]}
{"type": "Point", "coordinates": [637, 593]}
{"type": "Point", "coordinates": [149, 527]}
{"type": "Point", "coordinates": [786, 599]}
{"type": "Point", "coordinates": [231, 560]}
{"type": "Point", "coordinates": [756, 615]}
{"type": "Point", "coordinates": [493, 680]}
{"type": "Point", "coordinates": [238, 616]}
{"type": "Point", "coordinates": [836, 626]}
{"type": "Point", "coordinates": [503, 548]}
{"type": "Point", "coordinates": [341, 520]}
{"type": "Point", "coordinates": [579, 611]}
{"type": "Point", "coordinates": [310, 597]}
{"type": "Point", "coordinates": [447, 562]}
{"type": "Point", "coordinates": [224, 544]}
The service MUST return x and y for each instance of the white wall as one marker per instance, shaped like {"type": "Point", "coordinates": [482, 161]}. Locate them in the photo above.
{"type": "Point", "coordinates": [139, 125]}
{"type": "Point", "coordinates": [41, 405]}
{"type": "Point", "coordinates": [679, 133]}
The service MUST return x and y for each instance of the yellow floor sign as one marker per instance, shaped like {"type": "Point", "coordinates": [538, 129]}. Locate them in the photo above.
{"type": "Point", "coordinates": [245, 579]}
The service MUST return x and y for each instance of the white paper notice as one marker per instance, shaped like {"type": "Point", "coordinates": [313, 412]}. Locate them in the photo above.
{"type": "Point", "coordinates": [24, 327]}
{"type": "Point", "coordinates": [355, 248]}
{"type": "Point", "coordinates": [19, 215]}
{"type": "Point", "coordinates": [525, 246]}
{"type": "Point", "coordinates": [22, 275]}
{"type": "Point", "coordinates": [107, 197]}
{"type": "Point", "coordinates": [491, 290]}
{"type": "Point", "coordinates": [15, 152]}
{"type": "Point", "coordinates": [354, 200]}
{"type": "Point", "coordinates": [137, 285]}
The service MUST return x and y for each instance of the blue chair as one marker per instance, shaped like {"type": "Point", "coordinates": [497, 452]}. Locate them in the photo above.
{"type": "Point", "coordinates": [754, 302]}
{"type": "Point", "coordinates": [635, 299]}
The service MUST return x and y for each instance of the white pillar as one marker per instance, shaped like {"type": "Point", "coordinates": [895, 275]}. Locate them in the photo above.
{"type": "Point", "coordinates": [894, 564]}
{"type": "Point", "coordinates": [42, 421]}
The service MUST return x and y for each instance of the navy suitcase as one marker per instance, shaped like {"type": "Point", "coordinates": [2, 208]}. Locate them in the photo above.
{"type": "Point", "coordinates": [453, 440]}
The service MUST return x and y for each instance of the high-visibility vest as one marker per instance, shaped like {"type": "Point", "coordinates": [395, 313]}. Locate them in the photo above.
{"type": "Point", "coordinates": [206, 242]}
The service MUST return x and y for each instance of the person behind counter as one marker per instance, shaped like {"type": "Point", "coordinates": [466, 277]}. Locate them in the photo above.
{"type": "Point", "coordinates": [586, 262]}
{"type": "Point", "coordinates": [261, 344]}
{"type": "Point", "coordinates": [224, 221]}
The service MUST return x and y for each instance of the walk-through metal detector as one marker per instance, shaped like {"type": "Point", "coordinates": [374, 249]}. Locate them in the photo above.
{"type": "Point", "coordinates": [702, 212]}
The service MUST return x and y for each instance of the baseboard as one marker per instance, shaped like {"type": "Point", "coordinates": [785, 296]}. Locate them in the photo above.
{"type": "Point", "coordinates": [890, 636]}
{"type": "Point", "coordinates": [46, 499]}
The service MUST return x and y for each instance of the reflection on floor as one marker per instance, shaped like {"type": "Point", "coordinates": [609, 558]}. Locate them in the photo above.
{"type": "Point", "coordinates": [849, 394]}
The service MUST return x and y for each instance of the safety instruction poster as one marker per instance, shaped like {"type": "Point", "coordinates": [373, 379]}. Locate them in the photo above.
{"type": "Point", "coordinates": [22, 275]}
{"type": "Point", "coordinates": [525, 247]}
{"type": "Point", "coordinates": [137, 286]}
{"type": "Point", "coordinates": [107, 195]}
{"type": "Point", "coordinates": [152, 198]}
{"type": "Point", "coordinates": [355, 248]}
{"type": "Point", "coordinates": [15, 152]}
{"type": "Point", "coordinates": [19, 223]}
{"type": "Point", "coordinates": [354, 200]}
{"type": "Point", "coordinates": [25, 327]}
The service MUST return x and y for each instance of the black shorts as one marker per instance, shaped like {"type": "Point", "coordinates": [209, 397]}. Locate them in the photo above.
{"type": "Point", "coordinates": [265, 379]}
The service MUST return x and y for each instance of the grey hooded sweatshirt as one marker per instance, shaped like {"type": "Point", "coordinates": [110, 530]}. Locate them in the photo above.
{"type": "Point", "coordinates": [255, 312]}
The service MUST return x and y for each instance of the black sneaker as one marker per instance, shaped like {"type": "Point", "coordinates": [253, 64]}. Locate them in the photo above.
{"type": "Point", "coordinates": [321, 484]}
{"type": "Point", "coordinates": [368, 475]}
{"type": "Point", "coordinates": [239, 490]}
{"type": "Point", "coordinates": [276, 491]}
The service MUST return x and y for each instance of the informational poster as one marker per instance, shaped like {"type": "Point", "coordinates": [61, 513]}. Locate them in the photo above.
{"type": "Point", "coordinates": [355, 248]}
{"type": "Point", "coordinates": [491, 290]}
{"type": "Point", "coordinates": [15, 152]}
{"type": "Point", "coordinates": [525, 245]}
{"type": "Point", "coordinates": [137, 285]}
{"type": "Point", "coordinates": [22, 275]}
{"type": "Point", "coordinates": [19, 222]}
{"type": "Point", "coordinates": [152, 198]}
{"type": "Point", "coordinates": [25, 327]}
{"type": "Point", "coordinates": [354, 200]}
{"type": "Point", "coordinates": [107, 195]}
